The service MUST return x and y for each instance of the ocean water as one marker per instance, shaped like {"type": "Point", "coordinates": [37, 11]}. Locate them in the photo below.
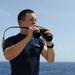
{"type": "Point", "coordinates": [57, 68]}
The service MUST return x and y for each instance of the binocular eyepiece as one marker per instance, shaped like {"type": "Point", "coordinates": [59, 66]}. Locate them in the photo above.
{"type": "Point", "coordinates": [37, 34]}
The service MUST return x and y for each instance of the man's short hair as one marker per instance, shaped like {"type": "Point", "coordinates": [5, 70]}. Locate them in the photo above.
{"type": "Point", "coordinates": [22, 14]}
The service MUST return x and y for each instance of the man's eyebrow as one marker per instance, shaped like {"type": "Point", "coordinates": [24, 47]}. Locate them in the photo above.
{"type": "Point", "coordinates": [32, 19]}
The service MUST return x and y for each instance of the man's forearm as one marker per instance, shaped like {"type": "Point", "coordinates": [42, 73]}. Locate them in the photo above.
{"type": "Point", "coordinates": [13, 51]}
{"type": "Point", "coordinates": [50, 56]}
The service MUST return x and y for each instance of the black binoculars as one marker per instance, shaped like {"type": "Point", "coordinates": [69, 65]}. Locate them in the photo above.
{"type": "Point", "coordinates": [37, 34]}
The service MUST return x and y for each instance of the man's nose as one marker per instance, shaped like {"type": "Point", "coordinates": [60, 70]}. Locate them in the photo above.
{"type": "Point", "coordinates": [34, 21]}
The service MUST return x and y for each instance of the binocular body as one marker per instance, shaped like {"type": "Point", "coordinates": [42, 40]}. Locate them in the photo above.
{"type": "Point", "coordinates": [37, 34]}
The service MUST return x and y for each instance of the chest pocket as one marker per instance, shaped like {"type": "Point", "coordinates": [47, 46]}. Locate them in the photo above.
{"type": "Point", "coordinates": [33, 48]}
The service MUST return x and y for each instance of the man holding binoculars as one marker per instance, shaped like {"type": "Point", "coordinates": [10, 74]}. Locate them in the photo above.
{"type": "Point", "coordinates": [23, 50]}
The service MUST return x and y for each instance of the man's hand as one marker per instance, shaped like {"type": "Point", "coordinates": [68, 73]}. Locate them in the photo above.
{"type": "Point", "coordinates": [31, 29]}
{"type": "Point", "coordinates": [47, 32]}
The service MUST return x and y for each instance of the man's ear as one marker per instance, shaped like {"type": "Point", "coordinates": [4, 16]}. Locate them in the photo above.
{"type": "Point", "coordinates": [21, 23]}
